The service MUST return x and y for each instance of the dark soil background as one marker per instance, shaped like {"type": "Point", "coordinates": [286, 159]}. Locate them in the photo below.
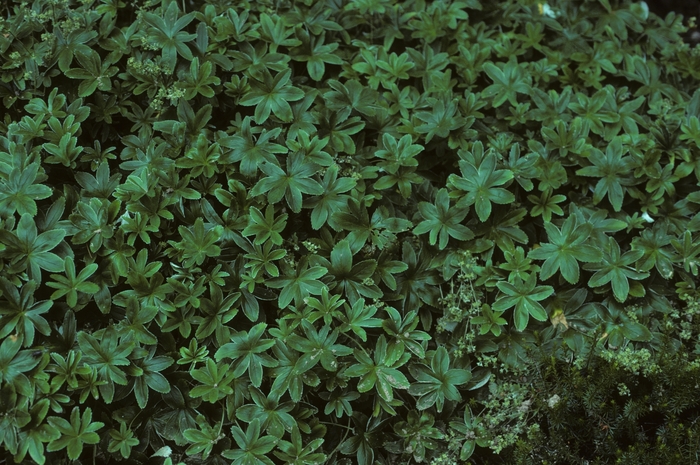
{"type": "Point", "coordinates": [687, 8]}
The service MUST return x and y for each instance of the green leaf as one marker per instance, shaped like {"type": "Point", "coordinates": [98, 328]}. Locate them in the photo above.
{"type": "Point", "coordinates": [122, 440]}
{"type": "Point", "coordinates": [546, 205]}
{"type": "Point", "coordinates": [252, 448]}
{"type": "Point", "coordinates": [32, 249]}
{"type": "Point", "coordinates": [525, 297]}
{"type": "Point", "coordinates": [214, 381]}
{"type": "Point", "coordinates": [14, 363]}
{"type": "Point", "coordinates": [251, 149]}
{"type": "Point", "coordinates": [70, 284]}
{"type": "Point", "coordinates": [149, 376]}
{"type": "Point", "coordinates": [197, 243]}
{"type": "Point", "coordinates": [381, 372]}
{"type": "Point", "coordinates": [440, 219]}
{"type": "Point", "coordinates": [319, 346]}
{"type": "Point", "coordinates": [246, 349]}
{"type": "Point", "coordinates": [654, 243]}
{"type": "Point", "coordinates": [19, 192]}
{"type": "Point", "coordinates": [274, 30]}
{"type": "Point", "coordinates": [290, 184]}
{"type": "Point", "coordinates": [167, 32]}
{"type": "Point", "coordinates": [273, 415]}
{"type": "Point", "coordinates": [615, 269]}
{"type": "Point", "coordinates": [75, 434]}
{"type": "Point", "coordinates": [298, 283]}
{"type": "Point", "coordinates": [296, 453]}
{"type": "Point", "coordinates": [272, 95]}
{"type": "Point", "coordinates": [331, 199]}
{"type": "Point", "coordinates": [21, 314]}
{"type": "Point", "coordinates": [443, 119]}
{"type": "Point", "coordinates": [199, 80]}
{"type": "Point", "coordinates": [352, 279]}
{"type": "Point", "coordinates": [566, 247]}
{"type": "Point", "coordinates": [489, 321]}
{"type": "Point", "coordinates": [315, 53]}
{"type": "Point", "coordinates": [66, 152]}
{"type": "Point", "coordinates": [437, 382]}
{"type": "Point", "coordinates": [509, 80]}
{"type": "Point", "coordinates": [613, 170]}
{"type": "Point", "coordinates": [359, 316]}
{"type": "Point", "coordinates": [267, 226]}
{"type": "Point", "coordinates": [480, 182]}
{"type": "Point", "coordinates": [93, 73]}
{"type": "Point", "coordinates": [203, 439]}
{"type": "Point", "coordinates": [106, 356]}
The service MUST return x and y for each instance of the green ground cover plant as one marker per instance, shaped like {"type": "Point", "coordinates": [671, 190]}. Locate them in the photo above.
{"type": "Point", "coordinates": [348, 232]}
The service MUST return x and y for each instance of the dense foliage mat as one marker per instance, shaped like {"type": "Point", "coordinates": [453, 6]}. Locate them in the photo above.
{"type": "Point", "coordinates": [370, 231]}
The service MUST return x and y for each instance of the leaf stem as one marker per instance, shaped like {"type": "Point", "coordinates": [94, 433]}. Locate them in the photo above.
{"type": "Point", "coordinates": [348, 429]}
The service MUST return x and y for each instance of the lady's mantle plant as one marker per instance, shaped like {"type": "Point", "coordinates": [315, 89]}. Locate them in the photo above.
{"type": "Point", "coordinates": [339, 232]}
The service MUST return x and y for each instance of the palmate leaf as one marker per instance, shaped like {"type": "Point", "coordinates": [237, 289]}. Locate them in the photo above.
{"type": "Point", "coordinates": [18, 193]}
{"type": "Point", "coordinates": [14, 363]}
{"type": "Point", "coordinates": [318, 346]}
{"type": "Point", "coordinates": [619, 325]}
{"type": "Point", "coordinates": [359, 316]}
{"type": "Point", "coordinates": [381, 372]}
{"type": "Point", "coordinates": [654, 243]}
{"type": "Point", "coordinates": [252, 448]}
{"type": "Point", "coordinates": [398, 153]}
{"type": "Point", "coordinates": [215, 381]}
{"type": "Point", "coordinates": [94, 74]}
{"type": "Point", "coordinates": [246, 349]}
{"type": "Point", "coordinates": [440, 219]}
{"type": "Point", "coordinates": [146, 372]}
{"type": "Point", "coordinates": [106, 355]}
{"type": "Point", "coordinates": [122, 440]}
{"type": "Point", "coordinates": [32, 441]}
{"type": "Point", "coordinates": [273, 415]}
{"type": "Point", "coordinates": [67, 46]}
{"type": "Point", "coordinates": [481, 184]}
{"type": "Point", "coordinates": [368, 435]}
{"type": "Point", "coordinates": [293, 371]}
{"type": "Point", "coordinates": [615, 269]}
{"type": "Point", "coordinates": [299, 283]}
{"type": "Point", "coordinates": [198, 243]}
{"type": "Point", "coordinates": [266, 226]}
{"type": "Point", "coordinates": [275, 31]}
{"type": "Point", "coordinates": [566, 247]}
{"type": "Point", "coordinates": [167, 32]}
{"type": "Point", "coordinates": [349, 96]}
{"type": "Point", "coordinates": [332, 198]}
{"type": "Point", "coordinates": [273, 95]}
{"type": "Point", "coordinates": [290, 184]}
{"type": "Point", "coordinates": [255, 60]}
{"type": "Point", "coordinates": [525, 297]}
{"type": "Point", "coordinates": [443, 118]}
{"type": "Point", "coordinates": [612, 169]}
{"type": "Point", "coordinates": [489, 321]}
{"type": "Point", "coordinates": [250, 150]}
{"type": "Point", "coordinates": [199, 80]}
{"type": "Point", "coordinates": [315, 53]}
{"type": "Point", "coordinates": [296, 453]}
{"type": "Point", "coordinates": [21, 314]}
{"type": "Point", "coordinates": [28, 247]}
{"type": "Point", "coordinates": [403, 330]}
{"type": "Point", "coordinates": [344, 276]}
{"type": "Point", "coordinates": [436, 383]}
{"type": "Point", "coordinates": [509, 80]}
{"type": "Point", "coordinates": [70, 284]}
{"type": "Point", "coordinates": [420, 280]}
{"type": "Point", "coordinates": [75, 434]}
